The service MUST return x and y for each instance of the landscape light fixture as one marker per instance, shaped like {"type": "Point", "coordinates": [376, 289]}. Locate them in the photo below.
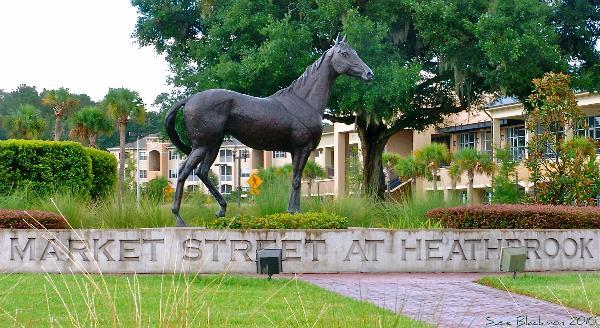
{"type": "Point", "coordinates": [512, 259]}
{"type": "Point", "coordinates": [268, 261]}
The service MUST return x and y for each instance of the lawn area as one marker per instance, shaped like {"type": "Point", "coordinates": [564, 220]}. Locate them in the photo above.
{"type": "Point", "coordinates": [42, 300]}
{"type": "Point", "coordinates": [579, 291]}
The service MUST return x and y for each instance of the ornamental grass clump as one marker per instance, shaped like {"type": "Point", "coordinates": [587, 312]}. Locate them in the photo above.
{"type": "Point", "coordinates": [517, 217]}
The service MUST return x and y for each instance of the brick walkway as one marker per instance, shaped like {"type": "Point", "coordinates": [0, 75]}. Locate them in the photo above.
{"type": "Point", "coordinates": [447, 300]}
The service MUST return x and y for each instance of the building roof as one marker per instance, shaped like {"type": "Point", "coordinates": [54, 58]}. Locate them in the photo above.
{"type": "Point", "coordinates": [133, 144]}
{"type": "Point", "coordinates": [503, 101]}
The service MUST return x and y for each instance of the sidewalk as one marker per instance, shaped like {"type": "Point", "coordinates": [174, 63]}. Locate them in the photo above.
{"type": "Point", "coordinates": [449, 300]}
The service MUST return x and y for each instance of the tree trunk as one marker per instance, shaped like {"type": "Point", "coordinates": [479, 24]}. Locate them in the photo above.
{"type": "Point", "coordinates": [122, 130]}
{"type": "Point", "coordinates": [92, 140]}
{"type": "Point", "coordinates": [57, 127]}
{"type": "Point", "coordinates": [373, 139]}
{"type": "Point", "coordinates": [435, 175]}
{"type": "Point", "coordinates": [470, 190]}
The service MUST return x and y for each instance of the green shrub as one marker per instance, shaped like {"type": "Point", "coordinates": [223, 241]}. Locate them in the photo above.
{"type": "Point", "coordinates": [517, 217]}
{"type": "Point", "coordinates": [43, 166]}
{"type": "Point", "coordinates": [18, 219]}
{"type": "Point", "coordinates": [311, 220]}
{"type": "Point", "coordinates": [104, 172]}
{"type": "Point", "coordinates": [154, 189]}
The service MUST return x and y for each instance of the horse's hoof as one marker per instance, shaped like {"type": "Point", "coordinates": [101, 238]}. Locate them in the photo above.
{"type": "Point", "coordinates": [180, 223]}
{"type": "Point", "coordinates": [220, 213]}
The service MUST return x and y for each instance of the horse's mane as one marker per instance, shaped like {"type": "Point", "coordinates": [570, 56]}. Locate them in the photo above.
{"type": "Point", "coordinates": [299, 82]}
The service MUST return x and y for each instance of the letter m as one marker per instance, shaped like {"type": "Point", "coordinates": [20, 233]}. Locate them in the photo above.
{"type": "Point", "coordinates": [14, 246]}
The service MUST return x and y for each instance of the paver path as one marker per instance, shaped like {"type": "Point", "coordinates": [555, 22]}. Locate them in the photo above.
{"type": "Point", "coordinates": [448, 300]}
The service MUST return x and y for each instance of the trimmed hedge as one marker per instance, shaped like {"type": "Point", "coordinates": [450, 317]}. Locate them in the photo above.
{"type": "Point", "coordinates": [517, 217]}
{"type": "Point", "coordinates": [104, 172]}
{"type": "Point", "coordinates": [18, 219]}
{"type": "Point", "coordinates": [48, 166]}
{"type": "Point", "coordinates": [310, 220]}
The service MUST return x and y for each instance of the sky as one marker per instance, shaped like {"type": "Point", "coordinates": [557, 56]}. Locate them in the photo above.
{"type": "Point", "coordinates": [83, 45]}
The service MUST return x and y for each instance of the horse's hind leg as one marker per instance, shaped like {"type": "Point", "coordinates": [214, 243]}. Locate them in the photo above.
{"type": "Point", "coordinates": [202, 173]}
{"type": "Point", "coordinates": [188, 166]}
{"type": "Point", "coordinates": [299, 159]}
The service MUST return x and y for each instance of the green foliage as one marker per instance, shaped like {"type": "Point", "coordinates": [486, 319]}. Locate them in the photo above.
{"type": "Point", "coordinates": [274, 191]}
{"type": "Point", "coordinates": [312, 171]}
{"type": "Point", "coordinates": [563, 171]}
{"type": "Point", "coordinates": [309, 220]}
{"type": "Point", "coordinates": [430, 58]}
{"type": "Point", "coordinates": [432, 157]}
{"type": "Point", "coordinates": [25, 123]}
{"type": "Point", "coordinates": [154, 189]}
{"type": "Point", "coordinates": [88, 123]}
{"type": "Point", "coordinates": [505, 184]}
{"type": "Point", "coordinates": [44, 166]}
{"type": "Point", "coordinates": [471, 161]}
{"type": "Point", "coordinates": [63, 103]}
{"type": "Point", "coordinates": [104, 172]}
{"type": "Point", "coordinates": [517, 217]}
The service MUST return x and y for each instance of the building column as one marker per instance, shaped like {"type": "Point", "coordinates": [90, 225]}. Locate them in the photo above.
{"type": "Point", "coordinates": [267, 159]}
{"type": "Point", "coordinates": [340, 142]}
{"type": "Point", "coordinates": [495, 135]}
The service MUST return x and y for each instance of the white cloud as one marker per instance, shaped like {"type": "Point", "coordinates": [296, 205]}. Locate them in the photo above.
{"type": "Point", "coordinates": [83, 45]}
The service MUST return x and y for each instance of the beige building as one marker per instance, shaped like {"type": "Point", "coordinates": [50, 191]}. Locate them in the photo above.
{"type": "Point", "coordinates": [500, 123]}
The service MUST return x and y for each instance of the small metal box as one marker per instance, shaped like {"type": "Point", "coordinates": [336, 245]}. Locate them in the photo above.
{"type": "Point", "coordinates": [512, 259]}
{"type": "Point", "coordinates": [268, 261]}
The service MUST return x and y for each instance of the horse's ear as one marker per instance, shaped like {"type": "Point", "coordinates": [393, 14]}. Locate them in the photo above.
{"type": "Point", "coordinates": [344, 38]}
{"type": "Point", "coordinates": [337, 40]}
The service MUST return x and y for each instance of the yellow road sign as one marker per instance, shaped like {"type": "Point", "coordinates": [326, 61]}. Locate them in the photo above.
{"type": "Point", "coordinates": [254, 181]}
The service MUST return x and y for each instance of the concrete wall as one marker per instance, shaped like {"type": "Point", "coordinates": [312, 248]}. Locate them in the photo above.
{"type": "Point", "coordinates": [305, 251]}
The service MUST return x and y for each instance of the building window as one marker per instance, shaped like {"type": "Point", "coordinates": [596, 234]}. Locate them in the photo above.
{"type": "Point", "coordinates": [245, 172]}
{"type": "Point", "coordinates": [486, 145]}
{"type": "Point", "coordinates": [143, 174]}
{"type": "Point", "coordinates": [226, 155]}
{"type": "Point", "coordinates": [592, 130]}
{"type": "Point", "coordinates": [225, 172]}
{"type": "Point", "coordinates": [441, 139]}
{"type": "Point", "coordinates": [143, 156]}
{"type": "Point", "coordinates": [467, 140]}
{"type": "Point", "coordinates": [279, 154]}
{"type": "Point", "coordinates": [172, 174]}
{"type": "Point", "coordinates": [226, 189]}
{"type": "Point", "coordinates": [516, 142]}
{"type": "Point", "coordinates": [173, 155]}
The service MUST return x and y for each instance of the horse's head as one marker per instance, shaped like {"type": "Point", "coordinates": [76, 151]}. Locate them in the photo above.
{"type": "Point", "coordinates": [345, 60]}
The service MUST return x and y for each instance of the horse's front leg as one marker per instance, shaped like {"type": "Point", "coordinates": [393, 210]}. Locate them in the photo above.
{"type": "Point", "coordinates": [299, 159]}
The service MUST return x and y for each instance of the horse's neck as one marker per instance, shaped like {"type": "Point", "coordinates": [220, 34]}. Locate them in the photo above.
{"type": "Point", "coordinates": [317, 87]}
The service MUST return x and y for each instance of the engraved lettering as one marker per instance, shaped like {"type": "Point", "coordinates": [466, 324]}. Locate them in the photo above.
{"type": "Point", "coordinates": [416, 249]}
{"type": "Point", "coordinates": [429, 247]}
{"type": "Point", "coordinates": [472, 242]}
{"type": "Point", "coordinates": [356, 249]}
{"type": "Point", "coordinates": [549, 241]}
{"type": "Point", "coordinates": [456, 250]}
{"type": "Point", "coordinates": [153, 243]}
{"type": "Point", "coordinates": [286, 248]}
{"type": "Point", "coordinates": [244, 251]}
{"type": "Point", "coordinates": [191, 250]}
{"type": "Point", "coordinates": [315, 247]}
{"type": "Point", "coordinates": [127, 253]}
{"type": "Point", "coordinates": [98, 248]}
{"type": "Point", "coordinates": [29, 245]}
{"type": "Point", "coordinates": [535, 248]}
{"type": "Point", "coordinates": [585, 246]}
{"type": "Point", "coordinates": [573, 242]}
{"type": "Point", "coordinates": [81, 250]}
{"type": "Point", "coordinates": [373, 246]}
{"type": "Point", "coordinates": [215, 248]}
{"type": "Point", "coordinates": [50, 249]}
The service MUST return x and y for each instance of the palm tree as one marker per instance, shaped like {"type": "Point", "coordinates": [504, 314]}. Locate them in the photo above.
{"type": "Point", "coordinates": [432, 157]}
{"type": "Point", "coordinates": [389, 161]}
{"type": "Point", "coordinates": [123, 104]}
{"type": "Point", "coordinates": [25, 123]}
{"type": "Point", "coordinates": [470, 160]}
{"type": "Point", "coordinates": [312, 170]}
{"type": "Point", "coordinates": [409, 168]}
{"type": "Point", "coordinates": [88, 123]}
{"type": "Point", "coordinates": [63, 103]}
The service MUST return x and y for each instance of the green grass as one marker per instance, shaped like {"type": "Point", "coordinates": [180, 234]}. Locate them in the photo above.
{"type": "Point", "coordinates": [579, 291]}
{"type": "Point", "coordinates": [41, 300]}
{"type": "Point", "coordinates": [197, 209]}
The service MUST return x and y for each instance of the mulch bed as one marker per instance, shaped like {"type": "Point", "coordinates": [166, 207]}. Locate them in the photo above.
{"type": "Point", "coordinates": [19, 219]}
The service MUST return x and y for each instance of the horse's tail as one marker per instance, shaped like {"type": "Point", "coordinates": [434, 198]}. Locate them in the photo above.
{"type": "Point", "coordinates": [170, 127]}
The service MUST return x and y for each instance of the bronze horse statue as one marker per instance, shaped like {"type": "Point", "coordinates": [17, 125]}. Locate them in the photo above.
{"type": "Point", "coordinates": [289, 120]}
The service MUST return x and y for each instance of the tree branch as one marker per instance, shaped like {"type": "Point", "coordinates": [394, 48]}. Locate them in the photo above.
{"type": "Point", "coordinates": [339, 119]}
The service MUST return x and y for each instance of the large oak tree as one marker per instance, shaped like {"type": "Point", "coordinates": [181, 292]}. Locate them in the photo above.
{"type": "Point", "coordinates": [431, 58]}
